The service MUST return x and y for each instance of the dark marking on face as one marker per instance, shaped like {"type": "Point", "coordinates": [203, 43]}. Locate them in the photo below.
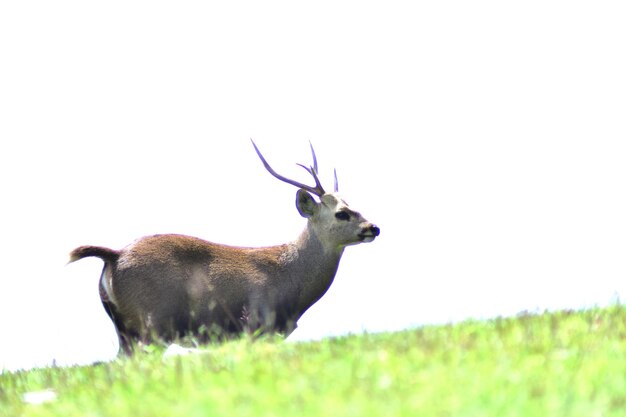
{"type": "Point", "coordinates": [343, 215]}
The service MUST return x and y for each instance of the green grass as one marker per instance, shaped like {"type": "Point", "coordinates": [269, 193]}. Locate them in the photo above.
{"type": "Point", "coordinates": [559, 364]}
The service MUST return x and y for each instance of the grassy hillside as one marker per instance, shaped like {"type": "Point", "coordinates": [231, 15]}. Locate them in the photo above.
{"type": "Point", "coordinates": [562, 364]}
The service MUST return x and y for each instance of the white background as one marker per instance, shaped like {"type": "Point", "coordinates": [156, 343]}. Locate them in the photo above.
{"type": "Point", "coordinates": [486, 139]}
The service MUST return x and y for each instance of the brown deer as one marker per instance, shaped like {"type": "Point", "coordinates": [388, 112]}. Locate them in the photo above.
{"type": "Point", "coordinates": [168, 286]}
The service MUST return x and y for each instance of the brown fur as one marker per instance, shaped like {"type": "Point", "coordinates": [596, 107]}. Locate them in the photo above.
{"type": "Point", "coordinates": [172, 285]}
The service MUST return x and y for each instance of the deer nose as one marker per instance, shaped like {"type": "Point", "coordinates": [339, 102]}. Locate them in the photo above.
{"type": "Point", "coordinates": [375, 230]}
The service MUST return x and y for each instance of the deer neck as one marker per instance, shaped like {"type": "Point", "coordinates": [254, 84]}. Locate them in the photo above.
{"type": "Point", "coordinates": [312, 265]}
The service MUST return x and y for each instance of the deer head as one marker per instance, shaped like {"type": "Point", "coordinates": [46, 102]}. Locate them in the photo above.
{"type": "Point", "coordinates": [330, 218]}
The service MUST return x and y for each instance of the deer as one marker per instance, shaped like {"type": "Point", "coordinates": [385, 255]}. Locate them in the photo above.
{"type": "Point", "coordinates": [168, 286]}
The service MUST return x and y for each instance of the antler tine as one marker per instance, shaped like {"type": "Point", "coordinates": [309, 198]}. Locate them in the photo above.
{"type": "Point", "coordinates": [313, 172]}
{"type": "Point", "coordinates": [318, 190]}
{"type": "Point", "coordinates": [314, 158]}
{"type": "Point", "coordinates": [336, 182]}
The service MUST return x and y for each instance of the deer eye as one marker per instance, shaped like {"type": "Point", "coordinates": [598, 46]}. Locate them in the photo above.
{"type": "Point", "coordinates": [342, 215]}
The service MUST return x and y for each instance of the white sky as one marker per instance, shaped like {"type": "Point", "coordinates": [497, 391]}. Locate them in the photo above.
{"type": "Point", "coordinates": [486, 139]}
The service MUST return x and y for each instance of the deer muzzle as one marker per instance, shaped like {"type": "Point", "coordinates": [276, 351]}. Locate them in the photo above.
{"type": "Point", "coordinates": [369, 233]}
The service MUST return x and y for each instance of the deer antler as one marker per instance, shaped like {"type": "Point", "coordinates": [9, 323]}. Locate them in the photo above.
{"type": "Point", "coordinates": [318, 190]}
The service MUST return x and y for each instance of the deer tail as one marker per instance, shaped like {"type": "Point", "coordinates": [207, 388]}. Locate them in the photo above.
{"type": "Point", "coordinates": [106, 254]}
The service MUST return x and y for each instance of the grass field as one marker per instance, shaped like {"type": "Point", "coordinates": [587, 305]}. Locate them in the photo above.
{"type": "Point", "coordinates": [558, 364]}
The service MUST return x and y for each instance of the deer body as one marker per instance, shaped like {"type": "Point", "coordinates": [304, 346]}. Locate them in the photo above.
{"type": "Point", "coordinates": [167, 286]}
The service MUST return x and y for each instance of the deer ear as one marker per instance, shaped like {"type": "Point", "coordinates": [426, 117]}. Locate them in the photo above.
{"type": "Point", "coordinates": [306, 205]}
